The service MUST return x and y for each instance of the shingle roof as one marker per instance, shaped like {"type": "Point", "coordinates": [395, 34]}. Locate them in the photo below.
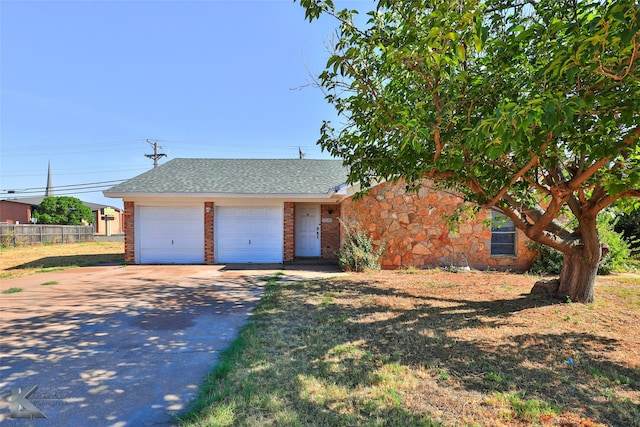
{"type": "Point", "coordinates": [238, 176]}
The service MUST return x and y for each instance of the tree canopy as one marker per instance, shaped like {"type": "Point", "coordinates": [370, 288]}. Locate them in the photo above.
{"type": "Point", "coordinates": [529, 108]}
{"type": "Point", "coordinates": [63, 210]}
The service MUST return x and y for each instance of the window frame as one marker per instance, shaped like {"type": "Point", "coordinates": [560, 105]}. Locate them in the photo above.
{"type": "Point", "coordinates": [498, 229]}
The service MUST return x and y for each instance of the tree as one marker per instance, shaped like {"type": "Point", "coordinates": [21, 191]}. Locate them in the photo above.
{"type": "Point", "coordinates": [63, 210]}
{"type": "Point", "coordinates": [529, 108]}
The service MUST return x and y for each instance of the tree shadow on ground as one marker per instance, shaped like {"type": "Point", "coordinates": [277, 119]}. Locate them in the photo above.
{"type": "Point", "coordinates": [71, 261]}
{"type": "Point", "coordinates": [569, 369]}
{"type": "Point", "coordinates": [85, 350]}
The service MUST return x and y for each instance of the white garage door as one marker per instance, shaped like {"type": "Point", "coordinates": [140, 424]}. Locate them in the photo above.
{"type": "Point", "coordinates": [249, 234]}
{"type": "Point", "coordinates": [170, 235]}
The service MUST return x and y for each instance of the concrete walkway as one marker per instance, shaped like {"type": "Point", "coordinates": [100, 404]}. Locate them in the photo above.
{"type": "Point", "coordinates": [123, 346]}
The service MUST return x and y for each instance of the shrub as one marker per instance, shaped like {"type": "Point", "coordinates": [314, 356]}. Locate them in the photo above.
{"type": "Point", "coordinates": [619, 255]}
{"type": "Point", "coordinates": [549, 260]}
{"type": "Point", "coordinates": [628, 223]}
{"type": "Point", "coordinates": [358, 253]}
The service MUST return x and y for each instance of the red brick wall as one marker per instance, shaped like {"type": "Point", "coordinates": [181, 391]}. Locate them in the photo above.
{"type": "Point", "coordinates": [415, 234]}
{"type": "Point", "coordinates": [209, 257]}
{"type": "Point", "coordinates": [129, 233]}
{"type": "Point", "coordinates": [10, 212]}
{"type": "Point", "coordinates": [289, 231]}
{"type": "Point", "coordinates": [330, 231]}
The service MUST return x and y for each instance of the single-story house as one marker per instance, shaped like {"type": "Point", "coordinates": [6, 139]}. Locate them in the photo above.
{"type": "Point", "coordinates": [218, 211]}
{"type": "Point", "coordinates": [13, 211]}
{"type": "Point", "coordinates": [107, 220]}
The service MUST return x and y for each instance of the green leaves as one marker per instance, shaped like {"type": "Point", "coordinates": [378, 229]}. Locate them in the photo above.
{"type": "Point", "coordinates": [503, 103]}
{"type": "Point", "coordinates": [63, 210]}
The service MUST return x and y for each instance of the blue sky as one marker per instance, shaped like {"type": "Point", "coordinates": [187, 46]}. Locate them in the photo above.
{"type": "Point", "coordinates": [84, 84]}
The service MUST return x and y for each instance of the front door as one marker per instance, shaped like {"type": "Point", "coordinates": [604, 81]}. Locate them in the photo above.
{"type": "Point", "coordinates": [307, 231]}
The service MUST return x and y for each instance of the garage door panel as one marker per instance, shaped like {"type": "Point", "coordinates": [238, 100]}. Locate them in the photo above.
{"type": "Point", "coordinates": [170, 235]}
{"type": "Point", "coordinates": [249, 234]}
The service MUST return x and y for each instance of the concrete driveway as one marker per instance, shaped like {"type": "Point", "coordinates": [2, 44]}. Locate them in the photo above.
{"type": "Point", "coordinates": [121, 346]}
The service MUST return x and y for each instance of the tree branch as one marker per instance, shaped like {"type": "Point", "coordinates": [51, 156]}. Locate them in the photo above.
{"type": "Point", "coordinates": [579, 179]}
{"type": "Point", "coordinates": [519, 174]}
{"type": "Point", "coordinates": [536, 213]}
{"type": "Point", "coordinates": [545, 237]}
{"type": "Point", "coordinates": [538, 187]}
{"type": "Point", "coordinates": [622, 74]}
{"type": "Point", "coordinates": [575, 205]}
{"type": "Point", "coordinates": [608, 200]}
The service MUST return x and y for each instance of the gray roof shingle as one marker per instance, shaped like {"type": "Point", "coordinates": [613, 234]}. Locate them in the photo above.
{"type": "Point", "coordinates": [238, 176]}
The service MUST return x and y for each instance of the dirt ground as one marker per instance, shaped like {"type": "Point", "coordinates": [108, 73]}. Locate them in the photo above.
{"type": "Point", "coordinates": [478, 339]}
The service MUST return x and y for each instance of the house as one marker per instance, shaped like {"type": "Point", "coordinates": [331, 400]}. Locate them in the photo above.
{"type": "Point", "coordinates": [217, 211]}
{"type": "Point", "coordinates": [107, 219]}
{"type": "Point", "coordinates": [14, 211]}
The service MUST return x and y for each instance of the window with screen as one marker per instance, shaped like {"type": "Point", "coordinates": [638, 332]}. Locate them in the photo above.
{"type": "Point", "coordinates": [503, 235]}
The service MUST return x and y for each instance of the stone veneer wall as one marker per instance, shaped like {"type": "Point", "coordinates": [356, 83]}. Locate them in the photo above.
{"type": "Point", "coordinates": [415, 234]}
{"type": "Point", "coordinates": [330, 231]}
{"type": "Point", "coordinates": [129, 233]}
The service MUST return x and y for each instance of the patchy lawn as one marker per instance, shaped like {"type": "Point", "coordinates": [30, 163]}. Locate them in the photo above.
{"type": "Point", "coordinates": [23, 260]}
{"type": "Point", "coordinates": [430, 348]}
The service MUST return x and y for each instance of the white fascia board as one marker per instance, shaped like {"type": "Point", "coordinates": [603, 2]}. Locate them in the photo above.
{"type": "Point", "coordinates": [224, 196]}
{"type": "Point", "coordinates": [346, 190]}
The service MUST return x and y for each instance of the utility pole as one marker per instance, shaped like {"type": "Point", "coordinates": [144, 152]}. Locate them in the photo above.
{"type": "Point", "coordinates": [155, 156]}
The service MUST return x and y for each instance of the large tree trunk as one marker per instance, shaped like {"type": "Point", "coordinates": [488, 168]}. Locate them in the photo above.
{"type": "Point", "coordinates": [578, 275]}
{"type": "Point", "coordinates": [577, 278]}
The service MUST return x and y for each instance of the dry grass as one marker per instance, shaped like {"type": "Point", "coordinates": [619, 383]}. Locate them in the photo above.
{"type": "Point", "coordinates": [23, 260]}
{"type": "Point", "coordinates": [431, 348]}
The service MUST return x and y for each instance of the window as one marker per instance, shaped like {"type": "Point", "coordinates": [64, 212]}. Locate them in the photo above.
{"type": "Point", "coordinates": [503, 235]}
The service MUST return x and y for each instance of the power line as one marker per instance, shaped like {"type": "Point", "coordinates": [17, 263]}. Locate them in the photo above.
{"type": "Point", "coordinates": [66, 193]}
{"type": "Point", "coordinates": [63, 188]}
{"type": "Point", "coordinates": [87, 172]}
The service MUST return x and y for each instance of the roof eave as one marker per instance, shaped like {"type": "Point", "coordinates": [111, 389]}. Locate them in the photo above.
{"type": "Point", "coordinates": [184, 196]}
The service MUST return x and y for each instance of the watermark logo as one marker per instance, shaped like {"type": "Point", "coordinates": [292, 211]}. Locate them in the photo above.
{"type": "Point", "coordinates": [19, 405]}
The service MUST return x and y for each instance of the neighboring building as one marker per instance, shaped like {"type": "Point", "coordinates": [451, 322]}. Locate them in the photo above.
{"type": "Point", "coordinates": [216, 211]}
{"type": "Point", "coordinates": [15, 212]}
{"type": "Point", "coordinates": [107, 220]}
{"type": "Point", "coordinates": [19, 210]}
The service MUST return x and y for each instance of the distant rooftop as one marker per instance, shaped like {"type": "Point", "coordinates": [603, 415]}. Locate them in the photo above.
{"type": "Point", "coordinates": [35, 201]}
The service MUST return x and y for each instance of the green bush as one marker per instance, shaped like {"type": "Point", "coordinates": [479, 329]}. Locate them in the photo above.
{"type": "Point", "coordinates": [628, 223]}
{"type": "Point", "coordinates": [358, 253]}
{"type": "Point", "coordinates": [549, 260]}
{"type": "Point", "coordinates": [619, 257]}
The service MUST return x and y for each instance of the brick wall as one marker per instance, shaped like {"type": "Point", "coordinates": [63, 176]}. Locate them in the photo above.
{"type": "Point", "coordinates": [415, 234]}
{"type": "Point", "coordinates": [13, 212]}
{"type": "Point", "coordinates": [129, 233]}
{"type": "Point", "coordinates": [289, 230]}
{"type": "Point", "coordinates": [209, 257]}
{"type": "Point", "coordinates": [330, 231]}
